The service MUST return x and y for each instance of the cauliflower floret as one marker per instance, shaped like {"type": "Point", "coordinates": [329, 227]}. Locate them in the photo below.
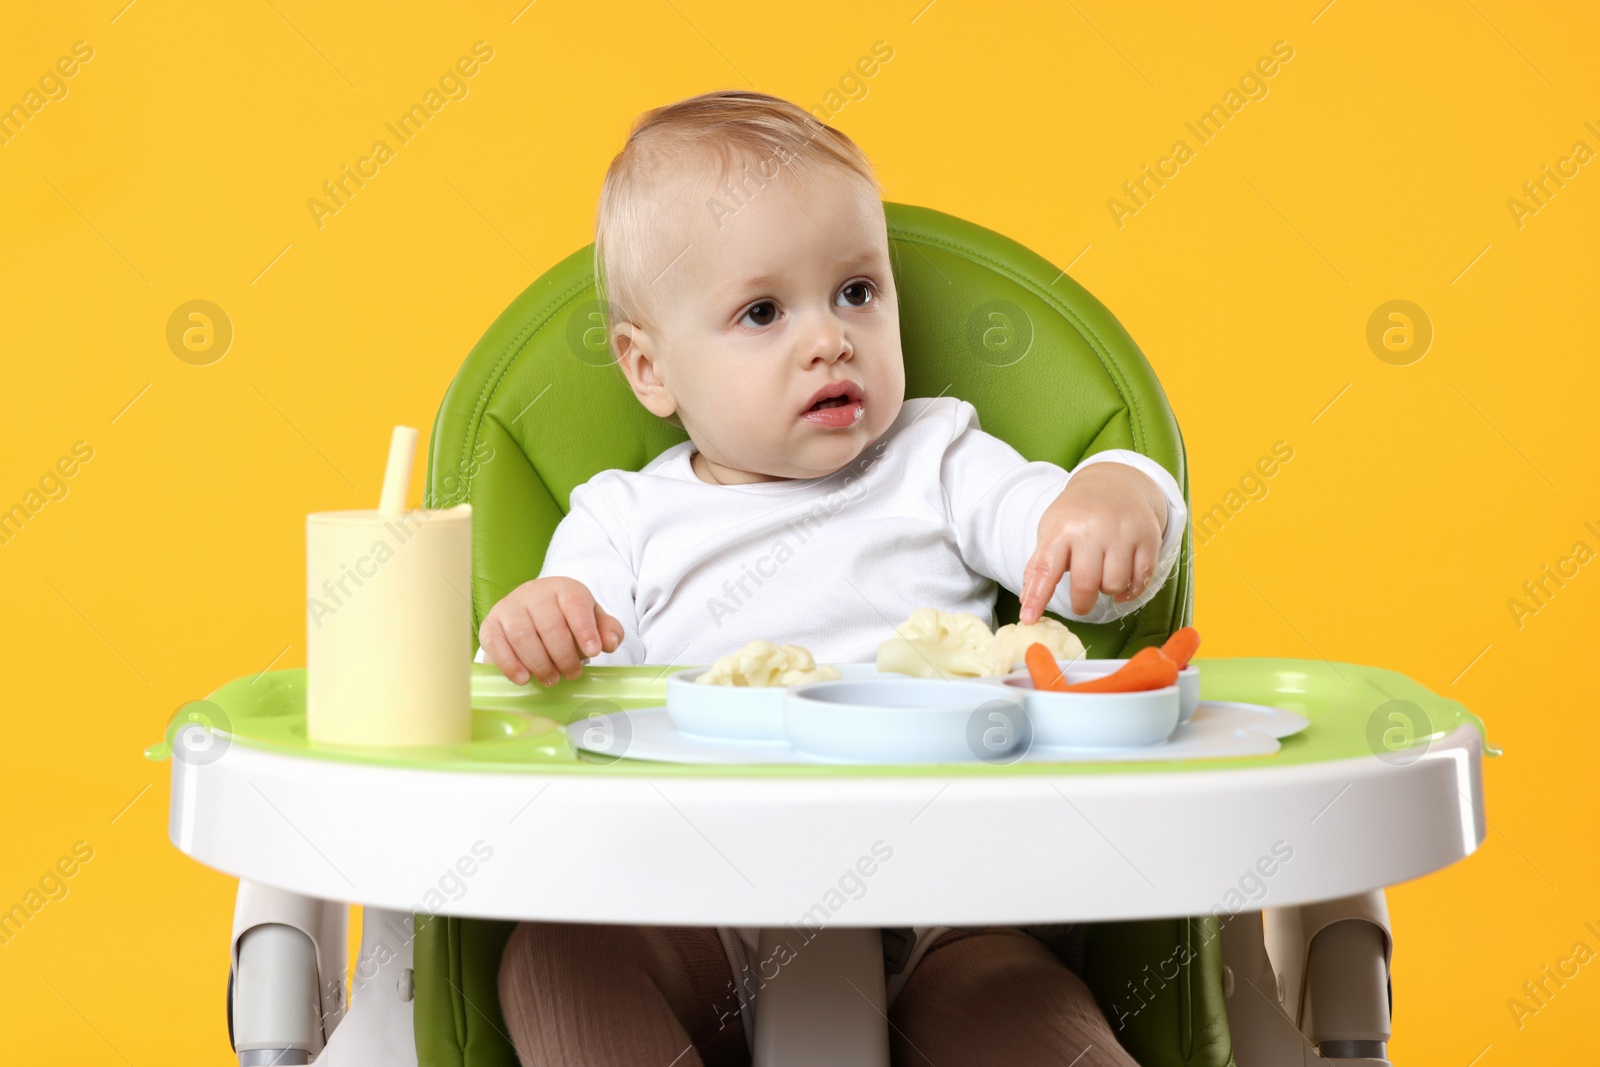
{"type": "Point", "coordinates": [762, 663]}
{"type": "Point", "coordinates": [940, 644]}
{"type": "Point", "coordinates": [1052, 633]}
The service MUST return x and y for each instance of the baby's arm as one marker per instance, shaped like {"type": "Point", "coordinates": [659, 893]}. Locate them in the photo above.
{"type": "Point", "coordinates": [553, 624]}
{"type": "Point", "coordinates": [1009, 515]}
{"type": "Point", "coordinates": [1106, 530]}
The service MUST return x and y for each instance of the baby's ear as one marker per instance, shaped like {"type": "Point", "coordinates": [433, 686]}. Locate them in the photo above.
{"type": "Point", "coordinates": [623, 330]}
{"type": "Point", "coordinates": [621, 340]}
{"type": "Point", "coordinates": [639, 360]}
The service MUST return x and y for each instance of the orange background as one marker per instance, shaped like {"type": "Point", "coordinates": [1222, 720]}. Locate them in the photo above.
{"type": "Point", "coordinates": [1377, 167]}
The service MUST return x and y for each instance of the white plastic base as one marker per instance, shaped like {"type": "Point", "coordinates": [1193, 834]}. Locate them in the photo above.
{"type": "Point", "coordinates": [1263, 1034]}
{"type": "Point", "coordinates": [825, 1004]}
{"type": "Point", "coordinates": [377, 1030]}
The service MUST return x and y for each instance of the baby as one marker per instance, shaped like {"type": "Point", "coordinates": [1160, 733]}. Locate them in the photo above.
{"type": "Point", "coordinates": [745, 261]}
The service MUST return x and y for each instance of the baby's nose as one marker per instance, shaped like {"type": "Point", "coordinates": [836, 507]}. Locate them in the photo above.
{"type": "Point", "coordinates": [830, 342]}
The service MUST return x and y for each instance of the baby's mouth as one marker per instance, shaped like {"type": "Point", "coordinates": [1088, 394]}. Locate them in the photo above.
{"type": "Point", "coordinates": [842, 410]}
{"type": "Point", "coordinates": [843, 393]}
{"type": "Point", "coordinates": [831, 402]}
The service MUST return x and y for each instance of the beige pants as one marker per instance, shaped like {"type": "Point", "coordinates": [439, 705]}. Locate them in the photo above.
{"type": "Point", "coordinates": [597, 996]}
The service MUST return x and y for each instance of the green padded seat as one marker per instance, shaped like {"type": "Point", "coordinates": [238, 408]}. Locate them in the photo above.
{"type": "Point", "coordinates": [539, 407]}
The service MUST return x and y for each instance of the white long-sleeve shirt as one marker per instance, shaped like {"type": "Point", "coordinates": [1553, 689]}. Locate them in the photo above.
{"type": "Point", "coordinates": [935, 513]}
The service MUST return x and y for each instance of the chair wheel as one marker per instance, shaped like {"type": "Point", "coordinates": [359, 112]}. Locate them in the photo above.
{"type": "Point", "coordinates": [260, 1057]}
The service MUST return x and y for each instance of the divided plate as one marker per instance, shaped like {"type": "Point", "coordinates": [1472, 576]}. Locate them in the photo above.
{"type": "Point", "coordinates": [1218, 730]}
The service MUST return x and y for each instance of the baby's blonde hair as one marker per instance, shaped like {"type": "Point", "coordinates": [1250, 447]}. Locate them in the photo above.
{"type": "Point", "coordinates": [722, 127]}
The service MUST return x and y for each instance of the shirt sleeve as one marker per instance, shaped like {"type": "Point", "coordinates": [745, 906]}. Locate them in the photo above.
{"type": "Point", "coordinates": [584, 547]}
{"type": "Point", "coordinates": [996, 498]}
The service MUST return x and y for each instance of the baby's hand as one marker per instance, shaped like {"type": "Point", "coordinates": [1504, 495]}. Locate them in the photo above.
{"type": "Point", "coordinates": [1106, 529]}
{"type": "Point", "coordinates": [540, 627]}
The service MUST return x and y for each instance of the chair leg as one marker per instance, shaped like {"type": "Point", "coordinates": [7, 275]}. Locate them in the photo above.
{"type": "Point", "coordinates": [1264, 1034]}
{"type": "Point", "coordinates": [379, 1029]}
{"type": "Point", "coordinates": [1333, 956]}
{"type": "Point", "coordinates": [275, 1010]}
{"type": "Point", "coordinates": [1348, 990]}
{"type": "Point", "coordinates": [286, 981]}
{"type": "Point", "coordinates": [820, 998]}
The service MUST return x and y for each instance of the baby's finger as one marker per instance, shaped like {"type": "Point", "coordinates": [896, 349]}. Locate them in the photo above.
{"type": "Point", "coordinates": [523, 637]}
{"type": "Point", "coordinates": [1116, 576]}
{"type": "Point", "coordinates": [1040, 578]}
{"type": "Point", "coordinates": [610, 629]}
{"type": "Point", "coordinates": [1087, 565]}
{"type": "Point", "coordinates": [498, 649]}
{"type": "Point", "coordinates": [580, 611]}
{"type": "Point", "coordinates": [556, 633]}
{"type": "Point", "coordinates": [1144, 567]}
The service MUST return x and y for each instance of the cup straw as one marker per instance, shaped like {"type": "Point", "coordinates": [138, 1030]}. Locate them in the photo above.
{"type": "Point", "coordinates": [397, 477]}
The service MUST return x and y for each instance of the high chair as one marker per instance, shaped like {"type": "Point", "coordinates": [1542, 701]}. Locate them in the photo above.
{"type": "Point", "coordinates": [537, 409]}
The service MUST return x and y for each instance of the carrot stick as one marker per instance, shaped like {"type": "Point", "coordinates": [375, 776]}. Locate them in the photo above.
{"type": "Point", "coordinates": [1043, 669]}
{"type": "Point", "coordinates": [1181, 646]}
{"type": "Point", "coordinates": [1148, 669]}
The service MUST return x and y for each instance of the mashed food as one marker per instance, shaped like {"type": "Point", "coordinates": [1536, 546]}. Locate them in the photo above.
{"type": "Point", "coordinates": [1052, 633]}
{"type": "Point", "coordinates": [941, 644]}
{"type": "Point", "coordinates": [762, 663]}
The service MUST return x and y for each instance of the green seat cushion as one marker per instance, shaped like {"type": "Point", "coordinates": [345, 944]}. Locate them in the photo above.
{"type": "Point", "coordinates": [1169, 970]}
{"type": "Point", "coordinates": [456, 972]}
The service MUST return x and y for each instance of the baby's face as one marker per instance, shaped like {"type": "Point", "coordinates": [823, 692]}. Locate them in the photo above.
{"type": "Point", "coordinates": [791, 296]}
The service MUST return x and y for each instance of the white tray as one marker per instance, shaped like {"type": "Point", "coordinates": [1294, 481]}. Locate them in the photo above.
{"type": "Point", "coordinates": [1218, 729]}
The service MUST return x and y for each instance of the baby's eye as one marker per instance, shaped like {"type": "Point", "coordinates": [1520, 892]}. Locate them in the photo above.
{"type": "Point", "coordinates": [857, 294]}
{"type": "Point", "coordinates": [762, 314]}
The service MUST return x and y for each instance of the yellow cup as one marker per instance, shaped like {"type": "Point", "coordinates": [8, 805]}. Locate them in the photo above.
{"type": "Point", "coordinates": [388, 627]}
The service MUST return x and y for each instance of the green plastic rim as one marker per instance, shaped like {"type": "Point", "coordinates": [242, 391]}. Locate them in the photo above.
{"type": "Point", "coordinates": [1355, 711]}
